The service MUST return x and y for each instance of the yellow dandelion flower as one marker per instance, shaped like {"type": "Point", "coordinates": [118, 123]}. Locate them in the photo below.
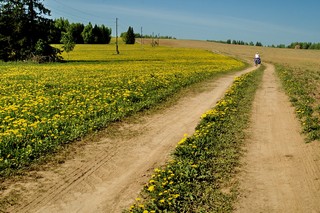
{"type": "Point", "coordinates": [157, 170]}
{"type": "Point", "coordinates": [151, 188]}
{"type": "Point", "coordinates": [176, 195]}
{"type": "Point", "coordinates": [141, 206]}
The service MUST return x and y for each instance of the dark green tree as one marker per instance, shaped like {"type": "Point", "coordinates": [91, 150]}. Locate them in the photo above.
{"type": "Point", "coordinates": [87, 34]}
{"type": "Point", "coordinates": [80, 33]}
{"type": "Point", "coordinates": [106, 34]}
{"type": "Point", "coordinates": [24, 24]}
{"type": "Point", "coordinates": [60, 25]}
{"type": "Point", "coordinates": [259, 44]}
{"type": "Point", "coordinates": [97, 35]}
{"type": "Point", "coordinates": [129, 37]}
{"type": "Point", "coordinates": [12, 22]}
{"type": "Point", "coordinates": [281, 46]}
{"type": "Point", "coordinates": [76, 29]}
{"type": "Point", "coordinates": [45, 53]}
{"type": "Point", "coordinates": [315, 46]}
{"type": "Point", "coordinates": [68, 42]}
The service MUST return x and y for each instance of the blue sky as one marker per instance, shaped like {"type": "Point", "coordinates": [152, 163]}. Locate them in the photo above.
{"type": "Point", "coordinates": [268, 21]}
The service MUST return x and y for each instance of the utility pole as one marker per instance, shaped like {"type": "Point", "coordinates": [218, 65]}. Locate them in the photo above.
{"type": "Point", "coordinates": [141, 36]}
{"type": "Point", "coordinates": [117, 48]}
{"type": "Point", "coordinates": [152, 43]}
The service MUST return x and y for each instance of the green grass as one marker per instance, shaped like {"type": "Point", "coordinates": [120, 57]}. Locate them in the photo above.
{"type": "Point", "coordinates": [302, 87]}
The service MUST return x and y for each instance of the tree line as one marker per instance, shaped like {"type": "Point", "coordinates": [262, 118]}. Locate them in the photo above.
{"type": "Point", "coordinates": [293, 45]}
{"type": "Point", "coordinates": [304, 45]}
{"type": "Point", "coordinates": [238, 42]}
{"type": "Point", "coordinates": [80, 33]}
{"type": "Point", "coordinates": [138, 35]}
{"type": "Point", "coordinates": [27, 32]}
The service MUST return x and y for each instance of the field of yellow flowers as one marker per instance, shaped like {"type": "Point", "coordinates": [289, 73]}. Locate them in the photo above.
{"type": "Point", "coordinates": [45, 105]}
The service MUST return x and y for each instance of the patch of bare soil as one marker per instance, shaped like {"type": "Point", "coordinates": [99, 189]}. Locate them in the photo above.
{"type": "Point", "coordinates": [281, 172]}
{"type": "Point", "coordinates": [108, 174]}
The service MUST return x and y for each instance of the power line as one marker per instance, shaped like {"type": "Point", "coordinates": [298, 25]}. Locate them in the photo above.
{"type": "Point", "coordinates": [77, 10]}
{"type": "Point", "coordinates": [81, 13]}
{"type": "Point", "coordinates": [63, 13]}
{"type": "Point", "coordinates": [62, 9]}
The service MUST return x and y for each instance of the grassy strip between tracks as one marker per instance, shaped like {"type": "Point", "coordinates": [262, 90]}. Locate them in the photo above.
{"type": "Point", "coordinates": [302, 87]}
{"type": "Point", "coordinates": [200, 176]}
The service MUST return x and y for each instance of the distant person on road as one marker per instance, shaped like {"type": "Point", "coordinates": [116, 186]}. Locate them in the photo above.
{"type": "Point", "coordinates": [257, 59]}
{"type": "Point", "coordinates": [256, 55]}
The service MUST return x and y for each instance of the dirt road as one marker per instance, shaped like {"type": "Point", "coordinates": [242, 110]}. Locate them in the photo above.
{"type": "Point", "coordinates": [108, 174]}
{"type": "Point", "coordinates": [281, 172]}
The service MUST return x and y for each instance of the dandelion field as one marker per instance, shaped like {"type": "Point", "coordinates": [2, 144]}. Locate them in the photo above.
{"type": "Point", "coordinates": [45, 105]}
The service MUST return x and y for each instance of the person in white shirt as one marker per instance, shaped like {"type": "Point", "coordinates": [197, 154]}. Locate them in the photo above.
{"type": "Point", "coordinates": [257, 59]}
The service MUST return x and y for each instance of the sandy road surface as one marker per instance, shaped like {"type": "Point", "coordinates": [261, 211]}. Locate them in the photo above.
{"type": "Point", "coordinates": [282, 172]}
{"type": "Point", "coordinates": [108, 174]}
